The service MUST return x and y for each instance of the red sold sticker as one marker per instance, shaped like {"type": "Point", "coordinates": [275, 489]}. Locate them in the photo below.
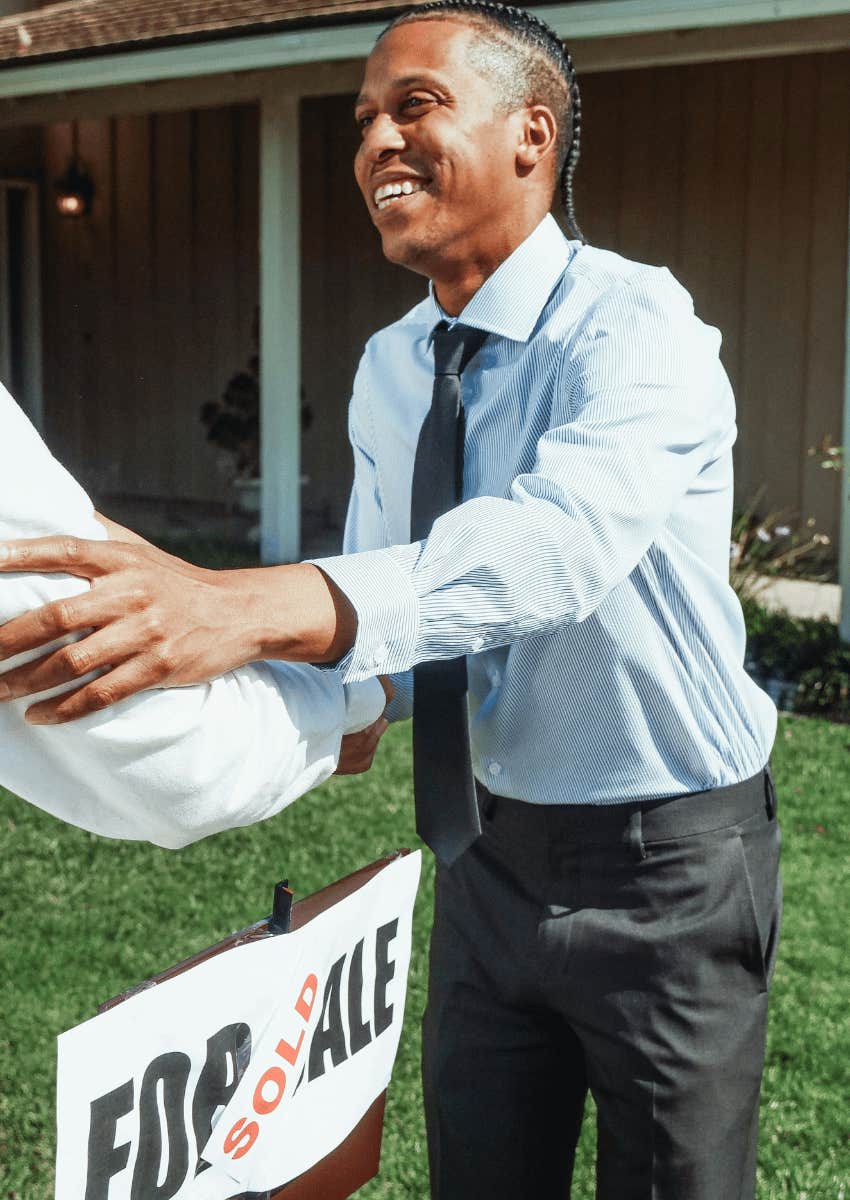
{"type": "Point", "coordinates": [272, 1084]}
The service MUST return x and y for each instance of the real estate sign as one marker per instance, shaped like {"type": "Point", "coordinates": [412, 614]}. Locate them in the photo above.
{"type": "Point", "coordinates": [245, 1071]}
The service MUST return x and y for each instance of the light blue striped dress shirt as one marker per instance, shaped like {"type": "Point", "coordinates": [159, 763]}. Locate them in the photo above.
{"type": "Point", "coordinates": [586, 572]}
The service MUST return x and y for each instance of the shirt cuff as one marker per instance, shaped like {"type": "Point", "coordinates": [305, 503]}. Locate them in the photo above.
{"type": "Point", "coordinates": [387, 610]}
{"type": "Point", "coordinates": [364, 703]}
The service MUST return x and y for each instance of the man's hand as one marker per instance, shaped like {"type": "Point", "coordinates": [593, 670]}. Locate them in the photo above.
{"type": "Point", "coordinates": [153, 620]}
{"type": "Point", "coordinates": [358, 749]}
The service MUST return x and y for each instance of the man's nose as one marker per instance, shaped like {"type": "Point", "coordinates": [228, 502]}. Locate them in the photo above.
{"type": "Point", "coordinates": [382, 139]}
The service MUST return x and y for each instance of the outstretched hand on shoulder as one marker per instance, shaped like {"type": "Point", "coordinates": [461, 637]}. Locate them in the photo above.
{"type": "Point", "coordinates": [151, 619]}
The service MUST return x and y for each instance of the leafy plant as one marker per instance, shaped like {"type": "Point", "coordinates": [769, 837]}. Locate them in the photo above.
{"type": "Point", "coordinates": [787, 646]}
{"type": "Point", "coordinates": [774, 545]}
{"type": "Point", "coordinates": [831, 455]}
{"type": "Point", "coordinates": [824, 691]}
{"type": "Point", "coordinates": [233, 421]}
{"type": "Point", "coordinates": [806, 656]}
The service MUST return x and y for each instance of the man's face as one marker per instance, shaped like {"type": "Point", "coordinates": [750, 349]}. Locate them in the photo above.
{"type": "Point", "coordinates": [432, 131]}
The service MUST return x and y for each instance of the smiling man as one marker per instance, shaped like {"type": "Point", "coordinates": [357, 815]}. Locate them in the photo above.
{"type": "Point", "coordinates": [540, 517]}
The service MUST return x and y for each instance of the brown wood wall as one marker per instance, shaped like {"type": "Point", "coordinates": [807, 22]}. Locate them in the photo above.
{"type": "Point", "coordinates": [349, 290]}
{"type": "Point", "coordinates": [736, 176]}
{"type": "Point", "coordinates": [149, 303]}
{"type": "Point", "coordinates": [21, 152]}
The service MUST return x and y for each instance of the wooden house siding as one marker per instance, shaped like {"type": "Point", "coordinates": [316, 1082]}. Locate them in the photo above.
{"type": "Point", "coordinates": [734, 175]}
{"type": "Point", "coordinates": [149, 302]}
{"type": "Point", "coordinates": [21, 152]}
{"type": "Point", "coordinates": [349, 290]}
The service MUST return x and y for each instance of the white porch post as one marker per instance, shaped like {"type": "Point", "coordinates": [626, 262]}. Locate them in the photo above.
{"type": "Point", "coordinates": [280, 329]}
{"type": "Point", "coordinates": [844, 546]}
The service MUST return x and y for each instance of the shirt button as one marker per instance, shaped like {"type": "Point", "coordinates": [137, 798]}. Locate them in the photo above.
{"type": "Point", "coordinates": [477, 644]}
{"type": "Point", "coordinates": [380, 654]}
{"type": "Point", "coordinates": [496, 678]}
{"type": "Point", "coordinates": [495, 768]}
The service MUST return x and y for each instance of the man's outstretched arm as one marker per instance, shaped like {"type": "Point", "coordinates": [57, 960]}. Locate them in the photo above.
{"type": "Point", "coordinates": [631, 430]}
{"type": "Point", "coordinates": [160, 621]}
{"type": "Point", "coordinates": [168, 766]}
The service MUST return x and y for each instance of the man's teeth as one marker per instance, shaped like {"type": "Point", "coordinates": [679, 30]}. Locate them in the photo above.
{"type": "Point", "coordinates": [388, 192]}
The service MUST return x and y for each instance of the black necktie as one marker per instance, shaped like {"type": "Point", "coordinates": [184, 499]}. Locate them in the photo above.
{"type": "Point", "coordinates": [446, 808]}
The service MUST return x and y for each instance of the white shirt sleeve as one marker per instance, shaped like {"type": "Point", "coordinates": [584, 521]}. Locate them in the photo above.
{"type": "Point", "coordinates": [168, 766]}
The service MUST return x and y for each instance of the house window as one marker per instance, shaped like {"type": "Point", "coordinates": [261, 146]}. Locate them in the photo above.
{"type": "Point", "coordinates": [20, 300]}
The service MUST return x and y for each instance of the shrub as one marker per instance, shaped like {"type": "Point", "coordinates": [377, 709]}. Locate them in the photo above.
{"type": "Point", "coordinates": [824, 691]}
{"type": "Point", "coordinates": [776, 545]}
{"type": "Point", "coordinates": [806, 655]}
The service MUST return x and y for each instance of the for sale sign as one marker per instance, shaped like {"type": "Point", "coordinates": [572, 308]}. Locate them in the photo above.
{"type": "Point", "coordinates": [245, 1071]}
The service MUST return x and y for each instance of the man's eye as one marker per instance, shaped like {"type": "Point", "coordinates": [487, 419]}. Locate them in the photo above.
{"type": "Point", "coordinates": [363, 121]}
{"type": "Point", "coordinates": [413, 102]}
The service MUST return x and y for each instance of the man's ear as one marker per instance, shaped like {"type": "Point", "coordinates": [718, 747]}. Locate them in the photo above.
{"type": "Point", "coordinates": [538, 137]}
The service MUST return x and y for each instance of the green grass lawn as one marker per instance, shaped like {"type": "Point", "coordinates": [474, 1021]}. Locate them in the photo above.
{"type": "Point", "coordinates": [82, 918]}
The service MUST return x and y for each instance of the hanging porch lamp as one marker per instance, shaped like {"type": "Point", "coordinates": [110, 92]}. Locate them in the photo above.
{"type": "Point", "coordinates": [74, 189]}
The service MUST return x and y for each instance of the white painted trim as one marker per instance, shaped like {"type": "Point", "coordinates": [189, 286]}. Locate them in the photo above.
{"type": "Point", "coordinates": [280, 330]}
{"type": "Point", "coordinates": [209, 58]}
{"type": "Point", "coordinates": [612, 18]}
{"type": "Point", "coordinates": [587, 19]}
{"type": "Point", "coordinates": [844, 537]}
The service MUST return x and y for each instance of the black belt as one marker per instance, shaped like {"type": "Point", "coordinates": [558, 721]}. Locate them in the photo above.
{"type": "Point", "coordinates": [670, 817]}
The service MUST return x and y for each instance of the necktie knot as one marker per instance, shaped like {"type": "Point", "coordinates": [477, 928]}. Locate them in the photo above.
{"type": "Point", "coordinates": [455, 346]}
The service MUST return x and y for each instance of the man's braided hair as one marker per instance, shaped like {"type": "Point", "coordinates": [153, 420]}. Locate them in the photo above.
{"type": "Point", "coordinates": [531, 65]}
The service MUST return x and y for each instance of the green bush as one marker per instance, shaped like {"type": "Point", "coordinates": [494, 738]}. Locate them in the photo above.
{"type": "Point", "coordinates": [806, 655]}
{"type": "Point", "coordinates": [825, 691]}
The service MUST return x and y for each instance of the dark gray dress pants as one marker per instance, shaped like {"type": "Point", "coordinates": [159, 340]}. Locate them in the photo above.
{"type": "Point", "coordinates": [624, 949]}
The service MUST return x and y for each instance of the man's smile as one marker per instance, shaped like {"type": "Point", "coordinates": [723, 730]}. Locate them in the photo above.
{"type": "Point", "coordinates": [396, 190]}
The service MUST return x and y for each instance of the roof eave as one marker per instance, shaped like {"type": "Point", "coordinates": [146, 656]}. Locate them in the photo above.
{"type": "Point", "coordinates": [336, 40]}
{"type": "Point", "coordinates": [201, 37]}
{"type": "Point", "coordinates": [190, 61]}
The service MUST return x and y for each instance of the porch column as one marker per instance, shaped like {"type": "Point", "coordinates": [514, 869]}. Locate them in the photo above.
{"type": "Point", "coordinates": [844, 545]}
{"type": "Point", "coordinates": [280, 330]}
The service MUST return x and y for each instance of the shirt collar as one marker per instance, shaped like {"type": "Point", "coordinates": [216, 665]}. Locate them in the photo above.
{"type": "Point", "coordinates": [511, 300]}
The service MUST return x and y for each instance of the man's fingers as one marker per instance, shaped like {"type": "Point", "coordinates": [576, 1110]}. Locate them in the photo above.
{"type": "Point", "coordinates": [39, 627]}
{"type": "Point", "coordinates": [358, 749]}
{"type": "Point", "coordinates": [65, 665]}
{"type": "Point", "coordinates": [102, 692]}
{"type": "Point", "coordinates": [47, 624]}
{"type": "Point", "coordinates": [66, 555]}
{"type": "Point", "coordinates": [373, 734]}
{"type": "Point", "coordinates": [387, 684]}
